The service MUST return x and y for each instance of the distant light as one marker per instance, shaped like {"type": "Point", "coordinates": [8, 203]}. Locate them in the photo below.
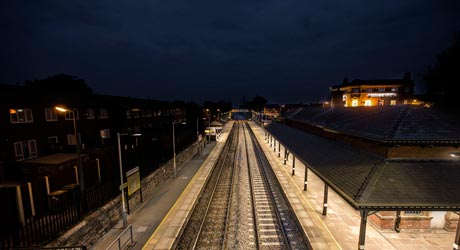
{"type": "Point", "coordinates": [138, 134]}
{"type": "Point", "coordinates": [454, 154]}
{"type": "Point", "coordinates": [381, 94]}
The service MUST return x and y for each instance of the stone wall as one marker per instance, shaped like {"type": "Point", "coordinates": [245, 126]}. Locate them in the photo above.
{"type": "Point", "coordinates": [99, 222]}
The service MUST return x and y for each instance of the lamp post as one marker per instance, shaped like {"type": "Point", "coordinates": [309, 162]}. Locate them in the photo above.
{"type": "Point", "coordinates": [81, 179]}
{"type": "Point", "coordinates": [209, 126]}
{"type": "Point", "coordinates": [198, 137]}
{"type": "Point", "coordinates": [174, 147]}
{"type": "Point", "coordinates": [123, 205]}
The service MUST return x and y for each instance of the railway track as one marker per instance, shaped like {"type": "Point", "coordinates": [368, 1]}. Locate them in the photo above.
{"type": "Point", "coordinates": [242, 206]}
{"type": "Point", "coordinates": [206, 228]}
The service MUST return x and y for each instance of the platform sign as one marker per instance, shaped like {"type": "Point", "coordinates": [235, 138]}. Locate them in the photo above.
{"type": "Point", "coordinates": [134, 180]}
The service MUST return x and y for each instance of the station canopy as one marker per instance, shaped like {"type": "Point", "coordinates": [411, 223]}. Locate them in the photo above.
{"type": "Point", "coordinates": [371, 182]}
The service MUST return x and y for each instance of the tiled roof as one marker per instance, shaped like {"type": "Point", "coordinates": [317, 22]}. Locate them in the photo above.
{"type": "Point", "coordinates": [369, 181]}
{"type": "Point", "coordinates": [404, 122]}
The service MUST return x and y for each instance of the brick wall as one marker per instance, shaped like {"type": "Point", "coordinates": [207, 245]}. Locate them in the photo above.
{"type": "Point", "coordinates": [386, 220]}
{"type": "Point", "coordinates": [98, 223]}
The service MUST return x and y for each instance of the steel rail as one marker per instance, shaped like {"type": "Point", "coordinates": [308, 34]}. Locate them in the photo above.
{"type": "Point", "coordinates": [213, 193]}
{"type": "Point", "coordinates": [258, 151]}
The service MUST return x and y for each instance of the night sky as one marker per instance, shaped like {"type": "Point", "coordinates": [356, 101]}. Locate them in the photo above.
{"type": "Point", "coordinates": [288, 51]}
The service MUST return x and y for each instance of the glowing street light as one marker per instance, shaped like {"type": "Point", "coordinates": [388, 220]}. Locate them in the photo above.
{"type": "Point", "coordinates": [81, 180]}
{"type": "Point", "coordinates": [124, 214]}
{"type": "Point", "coordinates": [174, 146]}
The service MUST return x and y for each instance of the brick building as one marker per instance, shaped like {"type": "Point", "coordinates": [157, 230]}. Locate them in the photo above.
{"type": "Point", "coordinates": [38, 145]}
{"type": "Point", "coordinates": [382, 92]}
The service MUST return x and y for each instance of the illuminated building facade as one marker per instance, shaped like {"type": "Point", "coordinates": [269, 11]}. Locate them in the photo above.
{"type": "Point", "coordinates": [382, 92]}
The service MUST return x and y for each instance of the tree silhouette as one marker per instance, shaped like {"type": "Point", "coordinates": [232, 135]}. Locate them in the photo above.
{"type": "Point", "coordinates": [60, 83]}
{"type": "Point", "coordinates": [257, 103]}
{"type": "Point", "coordinates": [443, 79]}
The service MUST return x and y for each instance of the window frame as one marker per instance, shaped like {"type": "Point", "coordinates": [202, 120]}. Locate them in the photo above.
{"type": "Point", "coordinates": [30, 145]}
{"type": "Point", "coordinates": [103, 113]}
{"type": "Point", "coordinates": [26, 117]}
{"type": "Point", "coordinates": [50, 115]}
{"type": "Point", "coordinates": [91, 115]}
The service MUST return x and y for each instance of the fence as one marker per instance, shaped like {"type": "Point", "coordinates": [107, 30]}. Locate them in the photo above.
{"type": "Point", "coordinates": [64, 210]}
{"type": "Point", "coordinates": [123, 240]}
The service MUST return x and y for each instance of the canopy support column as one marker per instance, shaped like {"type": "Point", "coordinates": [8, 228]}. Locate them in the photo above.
{"type": "Point", "coordinates": [285, 155]}
{"type": "Point", "coordinates": [293, 164]}
{"type": "Point", "coordinates": [457, 238]}
{"type": "Point", "coordinates": [326, 189]}
{"type": "Point", "coordinates": [362, 229]}
{"type": "Point", "coordinates": [305, 180]}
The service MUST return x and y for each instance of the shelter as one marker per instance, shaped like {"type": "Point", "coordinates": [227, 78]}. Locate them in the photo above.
{"type": "Point", "coordinates": [369, 180]}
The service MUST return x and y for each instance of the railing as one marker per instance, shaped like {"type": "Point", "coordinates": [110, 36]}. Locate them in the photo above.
{"type": "Point", "coordinates": [123, 240]}
{"type": "Point", "coordinates": [63, 212]}
{"type": "Point", "coordinates": [50, 248]}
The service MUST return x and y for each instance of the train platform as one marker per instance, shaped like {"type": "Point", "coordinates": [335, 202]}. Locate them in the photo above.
{"type": "Point", "coordinates": [164, 236]}
{"type": "Point", "coordinates": [168, 201]}
{"type": "Point", "coordinates": [339, 229]}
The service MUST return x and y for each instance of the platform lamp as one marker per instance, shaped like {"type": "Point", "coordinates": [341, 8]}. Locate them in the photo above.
{"type": "Point", "coordinates": [174, 146]}
{"type": "Point", "coordinates": [122, 188]}
{"type": "Point", "coordinates": [81, 180]}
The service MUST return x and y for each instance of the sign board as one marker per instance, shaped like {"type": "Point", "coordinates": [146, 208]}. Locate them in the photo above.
{"type": "Point", "coordinates": [134, 180]}
{"type": "Point", "coordinates": [124, 185]}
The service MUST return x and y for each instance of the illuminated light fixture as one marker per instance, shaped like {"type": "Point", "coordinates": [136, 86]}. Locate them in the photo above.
{"type": "Point", "coordinates": [13, 111]}
{"type": "Point", "coordinates": [381, 94]}
{"type": "Point", "coordinates": [61, 109]}
{"type": "Point", "coordinates": [454, 154]}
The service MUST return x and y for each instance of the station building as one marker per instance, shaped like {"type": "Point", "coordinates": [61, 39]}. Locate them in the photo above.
{"type": "Point", "coordinates": [382, 92]}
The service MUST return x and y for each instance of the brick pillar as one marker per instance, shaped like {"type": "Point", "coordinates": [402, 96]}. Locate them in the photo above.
{"type": "Point", "coordinates": [451, 221]}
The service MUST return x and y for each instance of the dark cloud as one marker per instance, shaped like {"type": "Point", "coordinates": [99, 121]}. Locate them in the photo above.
{"type": "Point", "coordinates": [288, 51]}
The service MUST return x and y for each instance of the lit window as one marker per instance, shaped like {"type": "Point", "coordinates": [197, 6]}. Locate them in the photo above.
{"type": "Point", "coordinates": [50, 114]}
{"type": "Point", "coordinates": [344, 97]}
{"type": "Point", "coordinates": [381, 89]}
{"type": "Point", "coordinates": [368, 103]}
{"type": "Point", "coordinates": [394, 89]}
{"type": "Point", "coordinates": [21, 116]}
{"type": "Point", "coordinates": [105, 133]}
{"type": "Point", "coordinates": [128, 114]}
{"type": "Point", "coordinates": [381, 102]}
{"type": "Point", "coordinates": [354, 103]}
{"type": "Point", "coordinates": [393, 102]}
{"type": "Point", "coordinates": [71, 139]}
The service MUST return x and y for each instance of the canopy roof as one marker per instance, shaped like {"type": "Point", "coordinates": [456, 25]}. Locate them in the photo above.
{"type": "Point", "coordinates": [371, 182]}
